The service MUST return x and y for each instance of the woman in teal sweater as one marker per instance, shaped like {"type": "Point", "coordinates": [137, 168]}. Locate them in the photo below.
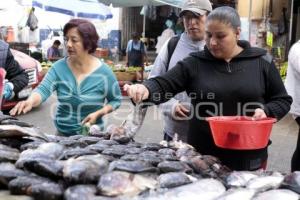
{"type": "Point", "coordinates": [86, 88]}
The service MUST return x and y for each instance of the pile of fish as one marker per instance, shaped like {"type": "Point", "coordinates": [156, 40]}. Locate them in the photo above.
{"type": "Point", "coordinates": [110, 165]}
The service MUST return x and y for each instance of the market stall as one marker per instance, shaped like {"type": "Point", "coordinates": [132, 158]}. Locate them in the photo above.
{"type": "Point", "coordinates": [110, 165]}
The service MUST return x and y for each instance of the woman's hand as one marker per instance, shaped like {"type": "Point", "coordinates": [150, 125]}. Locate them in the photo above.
{"type": "Point", "coordinates": [181, 111]}
{"type": "Point", "coordinates": [259, 114]}
{"type": "Point", "coordinates": [91, 118]}
{"type": "Point", "coordinates": [138, 92]}
{"type": "Point", "coordinates": [22, 107]}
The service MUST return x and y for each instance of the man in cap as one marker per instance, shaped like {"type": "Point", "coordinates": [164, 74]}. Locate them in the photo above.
{"type": "Point", "coordinates": [176, 111]}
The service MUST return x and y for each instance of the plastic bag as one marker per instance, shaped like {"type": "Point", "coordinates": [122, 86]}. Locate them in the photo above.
{"type": "Point", "coordinates": [32, 21]}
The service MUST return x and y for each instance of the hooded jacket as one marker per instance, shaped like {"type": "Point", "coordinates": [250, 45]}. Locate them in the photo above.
{"type": "Point", "coordinates": [216, 87]}
{"type": "Point", "coordinates": [14, 72]}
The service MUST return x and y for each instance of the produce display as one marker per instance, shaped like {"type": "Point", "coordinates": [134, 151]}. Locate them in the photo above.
{"type": "Point", "coordinates": [46, 66]}
{"type": "Point", "coordinates": [111, 165]}
{"type": "Point", "coordinates": [124, 73]}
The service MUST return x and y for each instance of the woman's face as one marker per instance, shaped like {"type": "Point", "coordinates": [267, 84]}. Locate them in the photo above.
{"type": "Point", "coordinates": [74, 43]}
{"type": "Point", "coordinates": [221, 39]}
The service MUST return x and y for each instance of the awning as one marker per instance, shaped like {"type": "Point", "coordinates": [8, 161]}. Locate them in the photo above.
{"type": "Point", "coordinates": [91, 9]}
{"type": "Point", "coordinates": [136, 3]}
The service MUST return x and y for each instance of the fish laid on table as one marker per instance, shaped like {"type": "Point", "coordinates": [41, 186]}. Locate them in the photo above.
{"type": "Point", "coordinates": [280, 194]}
{"type": "Point", "coordinates": [132, 166]}
{"type": "Point", "coordinates": [123, 183]}
{"type": "Point", "coordinates": [45, 167]}
{"type": "Point", "coordinates": [76, 152]}
{"type": "Point", "coordinates": [262, 183]}
{"type": "Point", "coordinates": [24, 184]}
{"type": "Point", "coordinates": [48, 151]}
{"type": "Point", "coordinates": [174, 166]}
{"type": "Point", "coordinates": [7, 131]}
{"type": "Point", "coordinates": [173, 179]}
{"type": "Point", "coordinates": [80, 192]}
{"type": "Point", "coordinates": [8, 171]}
{"type": "Point", "coordinates": [204, 189]}
{"type": "Point", "coordinates": [47, 190]}
{"type": "Point", "coordinates": [240, 178]}
{"type": "Point", "coordinates": [292, 182]}
{"type": "Point", "coordinates": [237, 194]}
{"type": "Point", "coordinates": [8, 154]}
{"type": "Point", "coordinates": [85, 169]}
{"type": "Point", "coordinates": [10, 120]}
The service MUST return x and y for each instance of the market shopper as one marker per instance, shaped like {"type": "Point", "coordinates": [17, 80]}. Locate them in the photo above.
{"type": "Point", "coordinates": [53, 53]}
{"type": "Point", "coordinates": [136, 54]}
{"type": "Point", "coordinates": [16, 77]}
{"type": "Point", "coordinates": [292, 86]}
{"type": "Point", "coordinates": [229, 77]}
{"type": "Point", "coordinates": [86, 88]}
{"type": "Point", "coordinates": [175, 111]}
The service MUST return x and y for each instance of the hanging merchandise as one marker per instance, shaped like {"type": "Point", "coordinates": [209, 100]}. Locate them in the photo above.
{"type": "Point", "coordinates": [32, 21]}
{"type": "Point", "coordinates": [270, 35]}
{"type": "Point", "coordinates": [269, 39]}
{"type": "Point", "coordinates": [10, 34]}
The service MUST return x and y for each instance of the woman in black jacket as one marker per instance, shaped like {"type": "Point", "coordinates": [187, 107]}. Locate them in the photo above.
{"type": "Point", "coordinates": [229, 77]}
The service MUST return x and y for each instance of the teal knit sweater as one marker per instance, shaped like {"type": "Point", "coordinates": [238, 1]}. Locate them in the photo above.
{"type": "Point", "coordinates": [76, 101]}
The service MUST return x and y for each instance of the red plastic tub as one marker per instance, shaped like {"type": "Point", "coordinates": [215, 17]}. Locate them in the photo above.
{"type": "Point", "coordinates": [239, 132]}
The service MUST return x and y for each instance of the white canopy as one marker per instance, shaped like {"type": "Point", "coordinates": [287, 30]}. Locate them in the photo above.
{"type": "Point", "coordinates": [135, 3]}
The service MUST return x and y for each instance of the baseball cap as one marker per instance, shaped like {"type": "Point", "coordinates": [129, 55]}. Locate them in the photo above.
{"type": "Point", "coordinates": [199, 7]}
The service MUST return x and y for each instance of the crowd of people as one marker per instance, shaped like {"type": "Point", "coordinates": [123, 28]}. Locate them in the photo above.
{"type": "Point", "coordinates": [207, 65]}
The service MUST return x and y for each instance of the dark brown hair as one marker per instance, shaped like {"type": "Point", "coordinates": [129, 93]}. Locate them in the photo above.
{"type": "Point", "coordinates": [57, 42]}
{"type": "Point", "coordinates": [86, 30]}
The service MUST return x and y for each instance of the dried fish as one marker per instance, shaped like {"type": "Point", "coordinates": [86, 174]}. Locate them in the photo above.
{"type": "Point", "coordinates": [237, 194]}
{"type": "Point", "coordinates": [47, 190]}
{"type": "Point", "coordinates": [173, 179]}
{"type": "Point", "coordinates": [123, 183]}
{"type": "Point", "coordinates": [174, 166]}
{"type": "Point", "coordinates": [44, 167]}
{"type": "Point", "coordinates": [7, 131]}
{"type": "Point", "coordinates": [85, 169]}
{"type": "Point", "coordinates": [81, 192]}
{"type": "Point", "coordinates": [292, 182]}
{"type": "Point", "coordinates": [240, 178]}
{"type": "Point", "coordinates": [263, 183]}
{"type": "Point", "coordinates": [277, 195]}
{"type": "Point", "coordinates": [23, 184]}
{"type": "Point", "coordinates": [8, 171]}
{"type": "Point", "coordinates": [131, 166]}
{"type": "Point", "coordinates": [8, 154]}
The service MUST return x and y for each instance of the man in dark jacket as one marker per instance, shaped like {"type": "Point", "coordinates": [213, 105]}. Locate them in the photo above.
{"type": "Point", "coordinates": [16, 77]}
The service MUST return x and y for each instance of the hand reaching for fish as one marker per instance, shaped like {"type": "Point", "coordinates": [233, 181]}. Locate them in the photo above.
{"type": "Point", "coordinates": [21, 108]}
{"type": "Point", "coordinates": [138, 92]}
{"type": "Point", "coordinates": [91, 118]}
{"type": "Point", "coordinates": [181, 111]}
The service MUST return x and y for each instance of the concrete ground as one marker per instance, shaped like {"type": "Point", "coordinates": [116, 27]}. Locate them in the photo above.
{"type": "Point", "coordinates": [284, 139]}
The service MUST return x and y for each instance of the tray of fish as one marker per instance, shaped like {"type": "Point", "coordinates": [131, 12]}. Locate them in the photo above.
{"type": "Point", "coordinates": [111, 165]}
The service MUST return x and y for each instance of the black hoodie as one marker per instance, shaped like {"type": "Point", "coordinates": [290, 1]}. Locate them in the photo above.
{"type": "Point", "coordinates": [216, 87]}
